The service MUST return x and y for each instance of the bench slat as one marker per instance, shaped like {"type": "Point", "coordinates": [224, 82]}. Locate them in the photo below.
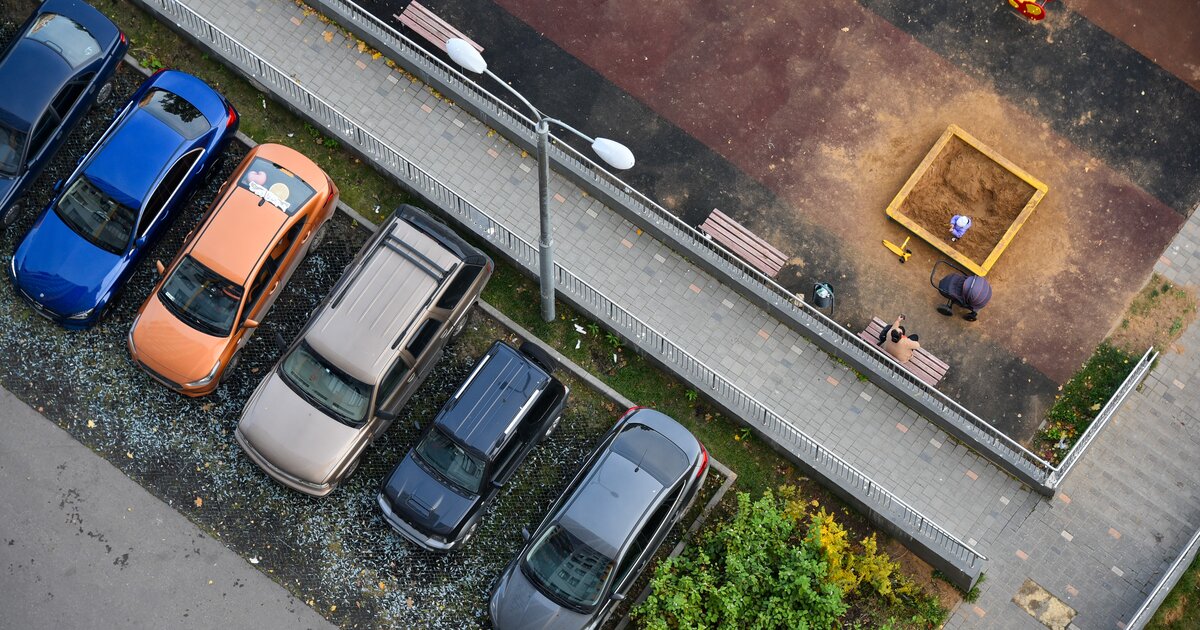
{"type": "Point", "coordinates": [721, 217]}
{"type": "Point", "coordinates": [760, 254]}
{"type": "Point", "coordinates": [428, 25]}
{"type": "Point", "coordinates": [741, 248]}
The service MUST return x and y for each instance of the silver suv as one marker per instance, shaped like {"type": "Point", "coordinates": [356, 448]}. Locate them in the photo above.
{"type": "Point", "coordinates": [364, 351]}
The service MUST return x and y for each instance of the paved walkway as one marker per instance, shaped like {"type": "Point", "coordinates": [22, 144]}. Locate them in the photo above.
{"type": "Point", "coordinates": [914, 459]}
{"type": "Point", "coordinates": [83, 546]}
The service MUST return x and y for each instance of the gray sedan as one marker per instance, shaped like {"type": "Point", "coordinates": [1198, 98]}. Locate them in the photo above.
{"type": "Point", "coordinates": [607, 525]}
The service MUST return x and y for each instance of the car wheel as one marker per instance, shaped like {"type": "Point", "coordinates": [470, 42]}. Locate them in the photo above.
{"type": "Point", "coordinates": [553, 425]}
{"type": "Point", "coordinates": [229, 367]}
{"type": "Point", "coordinates": [104, 92]}
{"type": "Point", "coordinates": [10, 217]}
{"type": "Point", "coordinates": [460, 325]}
{"type": "Point", "coordinates": [470, 532]}
{"type": "Point", "coordinates": [539, 356]}
{"type": "Point", "coordinates": [318, 237]}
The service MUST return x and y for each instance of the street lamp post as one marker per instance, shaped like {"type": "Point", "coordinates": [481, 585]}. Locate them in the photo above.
{"type": "Point", "coordinates": [613, 153]}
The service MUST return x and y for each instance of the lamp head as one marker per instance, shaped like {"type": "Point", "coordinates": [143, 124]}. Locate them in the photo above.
{"type": "Point", "coordinates": [614, 153]}
{"type": "Point", "coordinates": [464, 54]}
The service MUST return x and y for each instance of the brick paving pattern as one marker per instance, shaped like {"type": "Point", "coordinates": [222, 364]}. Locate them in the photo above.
{"type": "Point", "coordinates": [1133, 474]}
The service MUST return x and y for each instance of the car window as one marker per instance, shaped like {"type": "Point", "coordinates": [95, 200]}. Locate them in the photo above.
{"type": "Point", "coordinates": [317, 380]}
{"type": "Point", "coordinates": [166, 189]}
{"type": "Point", "coordinates": [12, 144]}
{"type": "Point", "coordinates": [422, 337]}
{"type": "Point", "coordinates": [201, 297]}
{"type": "Point", "coordinates": [458, 286]}
{"type": "Point", "coordinates": [65, 37]}
{"type": "Point", "coordinates": [67, 97]}
{"type": "Point", "coordinates": [45, 128]}
{"type": "Point", "coordinates": [276, 185]}
{"type": "Point", "coordinates": [391, 380]}
{"type": "Point", "coordinates": [176, 112]}
{"type": "Point", "coordinates": [93, 214]}
{"type": "Point", "coordinates": [266, 274]}
{"type": "Point", "coordinates": [645, 537]}
{"type": "Point", "coordinates": [451, 461]}
{"type": "Point", "coordinates": [564, 567]}
{"type": "Point", "coordinates": [651, 451]}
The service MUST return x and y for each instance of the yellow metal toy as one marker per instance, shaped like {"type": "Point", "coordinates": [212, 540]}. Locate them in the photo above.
{"type": "Point", "coordinates": [900, 250]}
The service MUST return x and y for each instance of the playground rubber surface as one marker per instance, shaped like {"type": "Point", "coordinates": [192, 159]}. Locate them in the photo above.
{"type": "Point", "coordinates": [803, 121]}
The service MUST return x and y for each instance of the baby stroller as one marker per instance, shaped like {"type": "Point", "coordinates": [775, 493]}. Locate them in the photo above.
{"type": "Point", "coordinates": [962, 289]}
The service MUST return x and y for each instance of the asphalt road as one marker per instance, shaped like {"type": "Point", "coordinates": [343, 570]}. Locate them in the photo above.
{"type": "Point", "coordinates": [83, 546]}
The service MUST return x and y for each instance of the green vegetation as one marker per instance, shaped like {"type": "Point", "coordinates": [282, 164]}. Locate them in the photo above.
{"type": "Point", "coordinates": [781, 562]}
{"type": "Point", "coordinates": [1081, 399]}
{"type": "Point", "coordinates": [1181, 609]}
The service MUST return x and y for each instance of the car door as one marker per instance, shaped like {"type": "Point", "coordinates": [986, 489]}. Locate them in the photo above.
{"type": "Point", "coordinates": [646, 543]}
{"type": "Point", "coordinates": [164, 195]}
{"type": "Point", "coordinates": [394, 388]}
{"type": "Point", "coordinates": [425, 346]}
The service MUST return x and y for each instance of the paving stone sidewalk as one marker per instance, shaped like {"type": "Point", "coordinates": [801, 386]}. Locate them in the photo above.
{"type": "Point", "coordinates": [905, 453]}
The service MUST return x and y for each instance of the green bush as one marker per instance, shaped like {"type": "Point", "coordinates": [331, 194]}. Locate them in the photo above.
{"type": "Point", "coordinates": [1082, 398]}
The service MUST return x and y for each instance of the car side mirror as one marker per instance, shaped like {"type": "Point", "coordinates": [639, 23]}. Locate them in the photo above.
{"type": "Point", "coordinates": [160, 267]}
{"type": "Point", "coordinates": [139, 242]}
{"type": "Point", "coordinates": [525, 535]}
{"type": "Point", "coordinates": [58, 185]}
{"type": "Point", "coordinates": [250, 323]}
{"type": "Point", "coordinates": [385, 415]}
{"type": "Point", "coordinates": [617, 597]}
{"type": "Point", "coordinates": [280, 342]}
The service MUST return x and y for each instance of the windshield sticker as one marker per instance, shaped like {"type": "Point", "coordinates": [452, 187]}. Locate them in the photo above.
{"type": "Point", "coordinates": [268, 195]}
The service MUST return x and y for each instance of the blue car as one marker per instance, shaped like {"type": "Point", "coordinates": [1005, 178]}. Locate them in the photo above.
{"type": "Point", "coordinates": [121, 197]}
{"type": "Point", "coordinates": [52, 72]}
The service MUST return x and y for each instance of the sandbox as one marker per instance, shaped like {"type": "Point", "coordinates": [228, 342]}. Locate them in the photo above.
{"type": "Point", "coordinates": [961, 175]}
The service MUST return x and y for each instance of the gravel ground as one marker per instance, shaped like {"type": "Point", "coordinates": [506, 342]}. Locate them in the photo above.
{"type": "Point", "coordinates": [335, 553]}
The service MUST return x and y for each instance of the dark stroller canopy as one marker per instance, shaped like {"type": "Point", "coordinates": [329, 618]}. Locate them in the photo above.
{"type": "Point", "coordinates": [973, 292]}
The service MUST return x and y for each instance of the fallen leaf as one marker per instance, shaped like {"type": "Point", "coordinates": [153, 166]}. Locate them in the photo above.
{"type": "Point", "coordinates": [382, 586]}
{"type": "Point", "coordinates": [333, 608]}
{"type": "Point", "coordinates": [199, 502]}
{"type": "Point", "coordinates": [206, 406]}
{"type": "Point", "coordinates": [128, 454]}
{"type": "Point", "coordinates": [1096, 407]}
{"type": "Point", "coordinates": [327, 36]}
{"type": "Point", "coordinates": [255, 561]}
{"type": "Point", "coordinates": [409, 601]}
{"type": "Point", "coordinates": [91, 424]}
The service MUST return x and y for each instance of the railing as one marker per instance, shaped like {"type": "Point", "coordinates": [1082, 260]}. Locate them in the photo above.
{"type": "Point", "coordinates": [1110, 409]}
{"type": "Point", "coordinates": [1169, 579]}
{"type": "Point", "coordinates": [615, 315]}
{"type": "Point", "coordinates": [1038, 469]}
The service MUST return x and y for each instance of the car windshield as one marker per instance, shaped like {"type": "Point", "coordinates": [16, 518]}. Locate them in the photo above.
{"type": "Point", "coordinates": [65, 37]}
{"type": "Point", "coordinates": [201, 297]}
{"type": "Point", "coordinates": [567, 569]}
{"type": "Point", "coordinates": [326, 386]}
{"type": "Point", "coordinates": [451, 461]}
{"type": "Point", "coordinates": [96, 216]}
{"type": "Point", "coordinates": [176, 112]}
{"type": "Point", "coordinates": [12, 145]}
{"type": "Point", "coordinates": [276, 185]}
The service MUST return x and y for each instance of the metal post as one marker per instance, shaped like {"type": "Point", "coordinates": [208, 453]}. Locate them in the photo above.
{"type": "Point", "coordinates": [546, 242]}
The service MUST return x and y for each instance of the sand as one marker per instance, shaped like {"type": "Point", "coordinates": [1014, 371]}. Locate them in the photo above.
{"type": "Point", "coordinates": [962, 180]}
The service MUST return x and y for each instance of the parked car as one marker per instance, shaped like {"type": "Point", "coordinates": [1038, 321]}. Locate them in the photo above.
{"type": "Point", "coordinates": [52, 71]}
{"type": "Point", "coordinates": [364, 351]}
{"type": "Point", "coordinates": [436, 495]}
{"type": "Point", "coordinates": [266, 217]}
{"type": "Point", "coordinates": [604, 528]}
{"type": "Point", "coordinates": [121, 198]}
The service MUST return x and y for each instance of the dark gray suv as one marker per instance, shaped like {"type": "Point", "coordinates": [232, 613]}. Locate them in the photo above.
{"type": "Point", "coordinates": [605, 528]}
{"type": "Point", "coordinates": [436, 495]}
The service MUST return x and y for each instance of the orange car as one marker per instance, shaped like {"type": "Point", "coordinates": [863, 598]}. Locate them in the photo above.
{"type": "Point", "coordinates": [267, 215]}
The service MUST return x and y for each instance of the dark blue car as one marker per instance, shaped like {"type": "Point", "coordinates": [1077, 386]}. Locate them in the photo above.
{"type": "Point", "coordinates": [125, 191]}
{"type": "Point", "coordinates": [51, 72]}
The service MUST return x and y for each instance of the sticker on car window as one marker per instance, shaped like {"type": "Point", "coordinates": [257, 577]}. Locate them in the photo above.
{"type": "Point", "coordinates": [268, 194]}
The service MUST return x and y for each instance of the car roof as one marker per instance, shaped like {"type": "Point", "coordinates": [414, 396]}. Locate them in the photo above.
{"type": "Point", "coordinates": [485, 411]}
{"type": "Point", "coordinates": [195, 91]}
{"type": "Point", "coordinates": [241, 229]}
{"type": "Point", "coordinates": [373, 313]}
{"type": "Point", "coordinates": [626, 484]}
{"type": "Point", "coordinates": [144, 138]}
{"type": "Point", "coordinates": [40, 72]}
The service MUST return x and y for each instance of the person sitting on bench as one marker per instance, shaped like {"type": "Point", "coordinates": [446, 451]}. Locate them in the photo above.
{"type": "Point", "coordinates": [897, 343]}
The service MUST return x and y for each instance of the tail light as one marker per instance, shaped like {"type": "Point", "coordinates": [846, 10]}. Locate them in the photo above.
{"type": "Point", "coordinates": [124, 39]}
{"type": "Point", "coordinates": [229, 122]}
{"type": "Point", "coordinates": [703, 461]}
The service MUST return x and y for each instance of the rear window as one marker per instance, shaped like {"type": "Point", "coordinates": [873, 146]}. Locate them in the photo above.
{"type": "Point", "coordinates": [176, 112]}
{"type": "Point", "coordinates": [65, 37]}
{"type": "Point", "coordinates": [651, 451]}
{"type": "Point", "coordinates": [276, 185]}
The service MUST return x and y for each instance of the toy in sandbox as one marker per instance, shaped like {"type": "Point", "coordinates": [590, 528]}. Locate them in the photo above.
{"type": "Point", "coordinates": [966, 200]}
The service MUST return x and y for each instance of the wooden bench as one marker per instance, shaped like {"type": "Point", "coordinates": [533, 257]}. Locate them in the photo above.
{"type": "Point", "coordinates": [923, 365]}
{"type": "Point", "coordinates": [760, 254]}
{"type": "Point", "coordinates": [425, 23]}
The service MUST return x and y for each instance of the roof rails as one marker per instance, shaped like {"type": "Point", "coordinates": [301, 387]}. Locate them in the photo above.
{"type": "Point", "coordinates": [408, 252]}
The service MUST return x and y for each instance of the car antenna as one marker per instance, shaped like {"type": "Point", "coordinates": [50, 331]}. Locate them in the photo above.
{"type": "Point", "coordinates": [638, 465]}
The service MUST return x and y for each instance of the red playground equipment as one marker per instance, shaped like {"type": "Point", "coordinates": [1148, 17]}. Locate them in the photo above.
{"type": "Point", "coordinates": [1034, 10]}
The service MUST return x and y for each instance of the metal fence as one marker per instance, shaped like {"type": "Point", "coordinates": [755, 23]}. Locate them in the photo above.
{"type": "Point", "coordinates": [1169, 579]}
{"type": "Point", "coordinates": [612, 313]}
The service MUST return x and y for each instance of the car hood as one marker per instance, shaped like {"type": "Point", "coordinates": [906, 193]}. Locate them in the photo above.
{"type": "Point", "coordinates": [423, 500]}
{"type": "Point", "coordinates": [63, 271]}
{"type": "Point", "coordinates": [518, 604]}
{"type": "Point", "coordinates": [287, 431]}
{"type": "Point", "coordinates": [170, 347]}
